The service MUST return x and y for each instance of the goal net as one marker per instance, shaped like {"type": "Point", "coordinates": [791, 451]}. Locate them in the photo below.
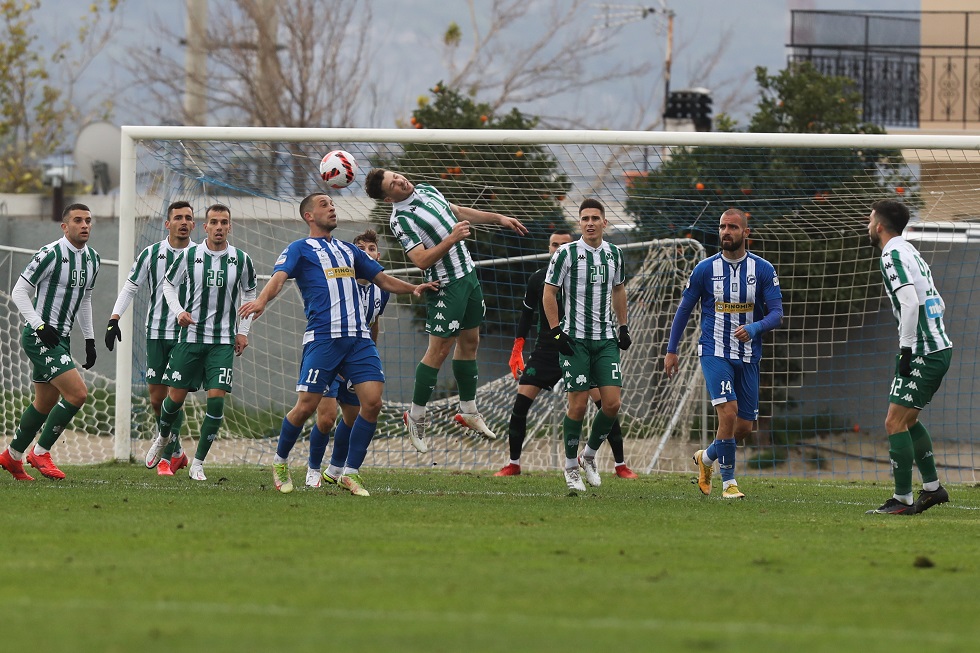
{"type": "Point", "coordinates": [826, 371]}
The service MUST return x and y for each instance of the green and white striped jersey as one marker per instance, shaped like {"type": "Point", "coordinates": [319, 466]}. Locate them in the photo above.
{"type": "Point", "coordinates": [215, 282]}
{"type": "Point", "coordinates": [587, 276]}
{"type": "Point", "coordinates": [61, 275]}
{"type": "Point", "coordinates": [902, 265]}
{"type": "Point", "coordinates": [151, 265]}
{"type": "Point", "coordinates": [425, 218]}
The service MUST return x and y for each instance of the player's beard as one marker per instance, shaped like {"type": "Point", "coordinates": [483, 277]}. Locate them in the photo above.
{"type": "Point", "coordinates": [733, 245]}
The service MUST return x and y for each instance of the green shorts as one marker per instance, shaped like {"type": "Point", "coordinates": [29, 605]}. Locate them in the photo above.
{"type": "Point", "coordinates": [157, 357]}
{"type": "Point", "coordinates": [456, 306]}
{"type": "Point", "coordinates": [194, 366]}
{"type": "Point", "coordinates": [595, 363]}
{"type": "Point", "coordinates": [927, 375]}
{"type": "Point", "coordinates": [47, 363]}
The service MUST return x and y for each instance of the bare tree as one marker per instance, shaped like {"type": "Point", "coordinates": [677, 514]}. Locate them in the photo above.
{"type": "Point", "coordinates": [286, 63]}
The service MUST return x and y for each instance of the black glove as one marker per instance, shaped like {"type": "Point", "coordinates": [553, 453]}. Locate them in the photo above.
{"type": "Point", "coordinates": [90, 353]}
{"type": "Point", "coordinates": [563, 341]}
{"type": "Point", "coordinates": [624, 338]}
{"type": "Point", "coordinates": [905, 362]}
{"type": "Point", "coordinates": [112, 334]}
{"type": "Point", "coordinates": [48, 336]}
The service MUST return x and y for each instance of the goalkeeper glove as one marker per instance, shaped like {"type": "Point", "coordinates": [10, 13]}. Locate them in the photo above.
{"type": "Point", "coordinates": [90, 353]}
{"type": "Point", "coordinates": [48, 336]}
{"type": "Point", "coordinates": [112, 334]}
{"type": "Point", "coordinates": [517, 358]}
{"type": "Point", "coordinates": [624, 338]}
{"type": "Point", "coordinates": [563, 341]}
{"type": "Point", "coordinates": [905, 362]}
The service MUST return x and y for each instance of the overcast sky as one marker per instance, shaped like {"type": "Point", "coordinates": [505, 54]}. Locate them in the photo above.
{"type": "Point", "coordinates": [404, 28]}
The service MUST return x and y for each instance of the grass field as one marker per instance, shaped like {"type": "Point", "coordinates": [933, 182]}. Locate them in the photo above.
{"type": "Point", "coordinates": [116, 559]}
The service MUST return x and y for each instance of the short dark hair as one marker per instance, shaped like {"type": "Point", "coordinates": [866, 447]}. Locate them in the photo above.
{"type": "Point", "coordinates": [73, 207]}
{"type": "Point", "coordinates": [304, 205]}
{"type": "Point", "coordinates": [369, 236]}
{"type": "Point", "coordinates": [592, 203]}
{"type": "Point", "coordinates": [372, 184]}
{"type": "Point", "coordinates": [892, 214]}
{"type": "Point", "coordinates": [561, 232]}
{"type": "Point", "coordinates": [179, 204]}
{"type": "Point", "coordinates": [218, 208]}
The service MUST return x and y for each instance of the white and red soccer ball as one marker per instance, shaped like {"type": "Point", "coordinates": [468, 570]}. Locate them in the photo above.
{"type": "Point", "coordinates": [338, 169]}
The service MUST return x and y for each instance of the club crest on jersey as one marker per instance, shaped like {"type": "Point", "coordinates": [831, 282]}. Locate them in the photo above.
{"type": "Point", "coordinates": [750, 280]}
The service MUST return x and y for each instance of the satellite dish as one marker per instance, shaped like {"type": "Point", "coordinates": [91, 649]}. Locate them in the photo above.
{"type": "Point", "coordinates": [97, 156]}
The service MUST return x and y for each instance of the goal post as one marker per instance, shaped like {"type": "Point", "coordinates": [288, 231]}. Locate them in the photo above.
{"type": "Point", "coordinates": [823, 401]}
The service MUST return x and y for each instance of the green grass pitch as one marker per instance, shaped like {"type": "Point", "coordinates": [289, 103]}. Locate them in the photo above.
{"type": "Point", "coordinates": [115, 558]}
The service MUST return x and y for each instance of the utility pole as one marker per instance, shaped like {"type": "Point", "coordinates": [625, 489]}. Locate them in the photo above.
{"type": "Point", "coordinates": [196, 63]}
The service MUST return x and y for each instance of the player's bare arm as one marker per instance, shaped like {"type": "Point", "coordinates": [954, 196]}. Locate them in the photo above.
{"type": "Point", "coordinates": [424, 258]}
{"type": "Point", "coordinates": [271, 290]}
{"type": "Point", "coordinates": [477, 216]}
{"type": "Point", "coordinates": [399, 287]}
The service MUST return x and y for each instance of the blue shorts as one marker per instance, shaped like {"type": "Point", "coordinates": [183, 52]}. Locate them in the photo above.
{"type": "Point", "coordinates": [732, 380]}
{"type": "Point", "coordinates": [343, 391]}
{"type": "Point", "coordinates": [356, 359]}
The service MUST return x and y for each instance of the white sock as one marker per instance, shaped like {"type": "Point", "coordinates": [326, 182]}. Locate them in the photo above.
{"type": "Point", "coordinates": [571, 463]}
{"type": "Point", "coordinates": [706, 459]}
{"type": "Point", "coordinates": [197, 462]}
{"type": "Point", "coordinates": [931, 486]}
{"type": "Point", "coordinates": [312, 469]}
{"type": "Point", "coordinates": [16, 455]}
{"type": "Point", "coordinates": [589, 452]}
{"type": "Point", "coordinates": [349, 470]}
{"type": "Point", "coordinates": [468, 407]}
{"type": "Point", "coordinates": [39, 450]}
{"type": "Point", "coordinates": [904, 498]}
{"type": "Point", "coordinates": [516, 462]}
{"type": "Point", "coordinates": [622, 464]}
{"type": "Point", "coordinates": [724, 485]}
{"type": "Point", "coordinates": [417, 412]}
{"type": "Point", "coordinates": [278, 460]}
{"type": "Point", "coordinates": [334, 472]}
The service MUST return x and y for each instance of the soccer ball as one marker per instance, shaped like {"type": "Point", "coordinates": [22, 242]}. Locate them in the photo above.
{"type": "Point", "coordinates": [338, 168]}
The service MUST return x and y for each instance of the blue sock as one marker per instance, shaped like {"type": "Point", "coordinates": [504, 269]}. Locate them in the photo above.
{"type": "Point", "coordinates": [711, 453]}
{"type": "Point", "coordinates": [318, 446]}
{"type": "Point", "coordinates": [361, 435]}
{"type": "Point", "coordinates": [341, 444]}
{"type": "Point", "coordinates": [726, 458]}
{"type": "Point", "coordinates": [287, 438]}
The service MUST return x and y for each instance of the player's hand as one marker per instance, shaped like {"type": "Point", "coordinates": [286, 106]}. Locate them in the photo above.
{"type": "Point", "coordinates": [253, 308]}
{"type": "Point", "coordinates": [48, 336]}
{"type": "Point", "coordinates": [112, 334]}
{"type": "Point", "coordinates": [905, 362]}
{"type": "Point", "coordinates": [671, 365]}
{"type": "Point", "coordinates": [461, 231]}
{"type": "Point", "coordinates": [564, 342]}
{"type": "Point", "coordinates": [90, 354]}
{"type": "Point", "coordinates": [517, 358]}
{"type": "Point", "coordinates": [241, 342]}
{"type": "Point", "coordinates": [513, 224]}
{"type": "Point", "coordinates": [624, 338]}
{"type": "Point", "coordinates": [422, 288]}
{"type": "Point", "coordinates": [742, 334]}
{"type": "Point", "coordinates": [185, 319]}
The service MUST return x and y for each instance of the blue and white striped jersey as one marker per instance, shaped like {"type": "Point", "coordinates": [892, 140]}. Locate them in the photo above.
{"type": "Point", "coordinates": [732, 293]}
{"type": "Point", "coordinates": [326, 272]}
{"type": "Point", "coordinates": [374, 301]}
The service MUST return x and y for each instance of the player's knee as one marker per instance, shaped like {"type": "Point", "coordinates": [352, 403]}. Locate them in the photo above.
{"type": "Point", "coordinates": [370, 407]}
{"type": "Point", "coordinates": [522, 404]}
{"type": "Point", "coordinates": [611, 407]}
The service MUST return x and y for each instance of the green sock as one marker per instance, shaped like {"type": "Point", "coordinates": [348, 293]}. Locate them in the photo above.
{"type": "Point", "coordinates": [601, 426]}
{"type": "Point", "coordinates": [900, 451]}
{"type": "Point", "coordinates": [56, 422]}
{"type": "Point", "coordinates": [170, 412]}
{"type": "Point", "coordinates": [173, 447]}
{"type": "Point", "coordinates": [209, 429]}
{"type": "Point", "coordinates": [571, 430]}
{"type": "Point", "coordinates": [425, 383]}
{"type": "Point", "coordinates": [467, 375]}
{"type": "Point", "coordinates": [922, 449]}
{"type": "Point", "coordinates": [30, 423]}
